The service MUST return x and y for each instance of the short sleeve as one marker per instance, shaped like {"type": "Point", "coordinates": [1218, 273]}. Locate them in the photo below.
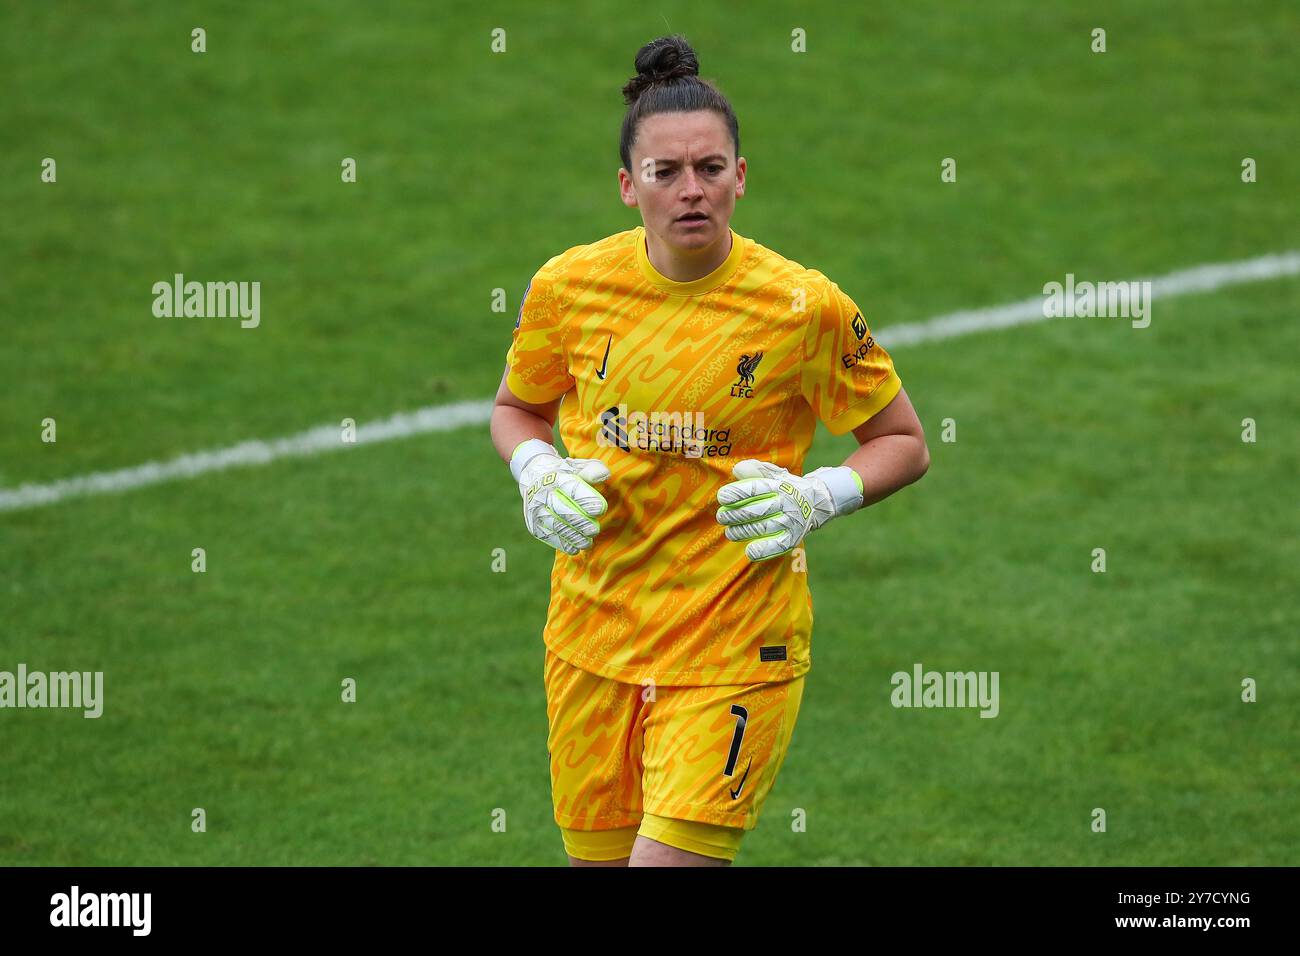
{"type": "Point", "coordinates": [539, 368]}
{"type": "Point", "coordinates": [847, 377]}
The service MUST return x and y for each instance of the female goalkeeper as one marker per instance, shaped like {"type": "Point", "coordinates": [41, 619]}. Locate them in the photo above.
{"type": "Point", "coordinates": [688, 366]}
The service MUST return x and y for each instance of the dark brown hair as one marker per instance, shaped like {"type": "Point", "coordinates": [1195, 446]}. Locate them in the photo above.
{"type": "Point", "coordinates": [668, 81]}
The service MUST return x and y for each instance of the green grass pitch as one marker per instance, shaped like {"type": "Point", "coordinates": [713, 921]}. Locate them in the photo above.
{"type": "Point", "coordinates": [1118, 690]}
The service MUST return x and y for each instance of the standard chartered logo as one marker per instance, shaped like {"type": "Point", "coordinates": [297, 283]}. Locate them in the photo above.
{"type": "Point", "coordinates": [668, 433]}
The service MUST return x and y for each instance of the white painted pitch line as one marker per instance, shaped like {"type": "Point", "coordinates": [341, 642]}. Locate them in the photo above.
{"type": "Point", "coordinates": [436, 418]}
{"type": "Point", "coordinates": [323, 438]}
{"type": "Point", "coordinates": [1204, 278]}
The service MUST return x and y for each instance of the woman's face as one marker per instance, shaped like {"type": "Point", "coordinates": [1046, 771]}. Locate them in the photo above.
{"type": "Point", "coordinates": [684, 165]}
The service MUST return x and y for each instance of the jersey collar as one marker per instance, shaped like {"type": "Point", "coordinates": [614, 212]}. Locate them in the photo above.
{"type": "Point", "coordinates": [697, 286]}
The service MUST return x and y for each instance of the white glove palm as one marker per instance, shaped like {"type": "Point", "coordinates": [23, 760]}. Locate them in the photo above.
{"type": "Point", "coordinates": [560, 504]}
{"type": "Point", "coordinates": [774, 510]}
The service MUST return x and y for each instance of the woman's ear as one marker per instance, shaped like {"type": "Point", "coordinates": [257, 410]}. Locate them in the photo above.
{"type": "Point", "coordinates": [626, 190]}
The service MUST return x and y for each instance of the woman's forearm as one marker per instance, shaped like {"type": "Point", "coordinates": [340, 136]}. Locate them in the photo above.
{"type": "Point", "coordinates": [888, 463]}
{"type": "Point", "coordinates": [511, 425]}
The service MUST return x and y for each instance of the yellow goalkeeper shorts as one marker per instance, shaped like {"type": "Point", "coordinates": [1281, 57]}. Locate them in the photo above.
{"type": "Point", "coordinates": [686, 766]}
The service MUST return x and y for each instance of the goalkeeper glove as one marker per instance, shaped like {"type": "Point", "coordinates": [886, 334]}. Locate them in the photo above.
{"type": "Point", "coordinates": [774, 510]}
{"type": "Point", "coordinates": [560, 505]}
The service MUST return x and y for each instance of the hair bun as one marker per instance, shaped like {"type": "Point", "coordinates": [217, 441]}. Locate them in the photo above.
{"type": "Point", "coordinates": [661, 61]}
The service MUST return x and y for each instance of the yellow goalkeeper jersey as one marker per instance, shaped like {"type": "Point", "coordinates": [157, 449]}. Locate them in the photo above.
{"type": "Point", "coordinates": [670, 384]}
